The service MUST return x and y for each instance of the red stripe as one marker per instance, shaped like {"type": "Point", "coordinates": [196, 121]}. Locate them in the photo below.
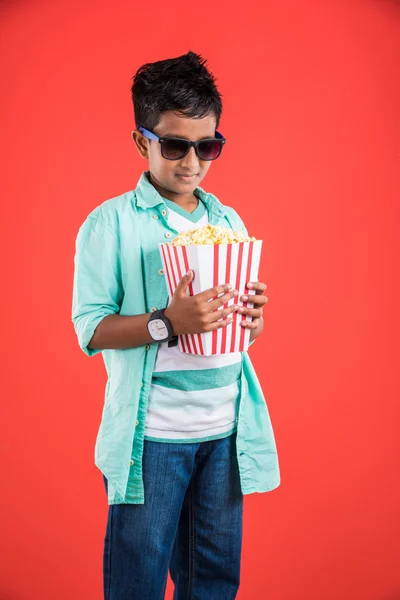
{"type": "Point", "coordinates": [178, 266]}
{"type": "Point", "coordinates": [200, 343]}
{"type": "Point", "coordinates": [189, 338]}
{"type": "Point", "coordinates": [238, 272]}
{"type": "Point", "coordinates": [193, 342]}
{"type": "Point", "coordinates": [185, 260]}
{"type": "Point", "coordinates": [167, 270]}
{"type": "Point", "coordinates": [216, 266]}
{"type": "Point", "coordinates": [227, 279]}
{"type": "Point", "coordinates": [189, 341]}
{"type": "Point", "coordinates": [186, 263]}
{"type": "Point", "coordinates": [169, 281]}
{"type": "Point", "coordinates": [246, 291]}
{"type": "Point", "coordinates": [183, 343]}
{"type": "Point", "coordinates": [171, 262]}
{"type": "Point", "coordinates": [191, 348]}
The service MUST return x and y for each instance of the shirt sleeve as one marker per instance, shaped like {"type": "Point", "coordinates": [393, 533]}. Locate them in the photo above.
{"type": "Point", "coordinates": [97, 287]}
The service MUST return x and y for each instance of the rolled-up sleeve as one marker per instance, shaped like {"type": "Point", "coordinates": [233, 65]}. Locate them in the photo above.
{"type": "Point", "coordinates": [97, 287]}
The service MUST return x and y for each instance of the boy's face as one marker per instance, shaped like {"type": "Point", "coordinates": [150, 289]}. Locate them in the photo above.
{"type": "Point", "coordinates": [165, 174]}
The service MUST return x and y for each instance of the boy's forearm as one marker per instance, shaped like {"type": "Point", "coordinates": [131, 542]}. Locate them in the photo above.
{"type": "Point", "coordinates": [119, 332]}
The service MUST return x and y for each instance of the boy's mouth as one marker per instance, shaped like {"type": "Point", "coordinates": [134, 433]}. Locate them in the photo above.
{"type": "Point", "coordinates": [186, 177]}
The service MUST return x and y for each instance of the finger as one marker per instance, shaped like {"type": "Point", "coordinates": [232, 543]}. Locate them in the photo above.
{"type": "Point", "coordinates": [213, 292]}
{"type": "Point", "coordinates": [257, 285]}
{"type": "Point", "coordinates": [249, 324]}
{"type": "Point", "coordinates": [219, 324]}
{"type": "Point", "coordinates": [221, 314]}
{"type": "Point", "coordinates": [256, 313]}
{"type": "Point", "coordinates": [215, 304]}
{"type": "Point", "coordinates": [183, 284]}
{"type": "Point", "coordinates": [255, 299]}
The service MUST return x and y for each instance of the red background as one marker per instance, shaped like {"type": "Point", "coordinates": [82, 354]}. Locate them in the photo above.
{"type": "Point", "coordinates": [312, 95]}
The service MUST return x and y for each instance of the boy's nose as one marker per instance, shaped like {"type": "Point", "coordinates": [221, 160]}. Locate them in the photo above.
{"type": "Point", "coordinates": [191, 160]}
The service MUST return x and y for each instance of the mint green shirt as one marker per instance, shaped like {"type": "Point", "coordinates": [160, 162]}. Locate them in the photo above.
{"type": "Point", "coordinates": [118, 270]}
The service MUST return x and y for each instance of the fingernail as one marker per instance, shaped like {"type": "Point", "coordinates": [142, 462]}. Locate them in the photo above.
{"type": "Point", "coordinates": [245, 298]}
{"type": "Point", "coordinates": [249, 285]}
{"type": "Point", "coordinates": [228, 286]}
{"type": "Point", "coordinates": [236, 306]}
{"type": "Point", "coordinates": [235, 293]}
{"type": "Point", "coordinates": [241, 310]}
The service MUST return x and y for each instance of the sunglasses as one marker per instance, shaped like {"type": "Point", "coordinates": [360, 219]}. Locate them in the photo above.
{"type": "Point", "coordinates": [177, 148]}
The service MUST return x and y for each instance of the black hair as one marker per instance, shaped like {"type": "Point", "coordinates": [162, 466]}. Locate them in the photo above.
{"type": "Point", "coordinates": [181, 84]}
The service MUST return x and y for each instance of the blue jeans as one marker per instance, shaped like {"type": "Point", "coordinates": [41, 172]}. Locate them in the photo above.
{"type": "Point", "coordinates": [190, 523]}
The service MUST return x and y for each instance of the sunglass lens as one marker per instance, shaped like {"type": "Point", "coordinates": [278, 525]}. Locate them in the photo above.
{"type": "Point", "coordinates": [209, 149]}
{"type": "Point", "coordinates": [174, 149]}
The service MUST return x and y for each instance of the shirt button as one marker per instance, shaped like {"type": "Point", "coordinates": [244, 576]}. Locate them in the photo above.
{"type": "Point", "coordinates": [163, 212]}
{"type": "Point", "coordinates": [156, 217]}
{"type": "Point", "coordinates": [141, 384]}
{"type": "Point", "coordinates": [168, 234]}
{"type": "Point", "coordinates": [153, 309]}
{"type": "Point", "coordinates": [132, 462]}
{"type": "Point", "coordinates": [137, 423]}
{"type": "Point", "coordinates": [161, 272]}
{"type": "Point", "coordinates": [147, 347]}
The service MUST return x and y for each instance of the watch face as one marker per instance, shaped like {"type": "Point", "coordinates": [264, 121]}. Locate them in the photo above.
{"type": "Point", "coordinates": [158, 330]}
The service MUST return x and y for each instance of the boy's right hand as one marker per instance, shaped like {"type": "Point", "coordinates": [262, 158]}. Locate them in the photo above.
{"type": "Point", "coordinates": [199, 313]}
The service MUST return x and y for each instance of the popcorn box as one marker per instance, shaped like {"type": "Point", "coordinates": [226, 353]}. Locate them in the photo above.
{"type": "Point", "coordinates": [214, 264]}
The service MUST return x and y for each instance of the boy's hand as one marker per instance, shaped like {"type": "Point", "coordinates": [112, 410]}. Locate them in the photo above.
{"type": "Point", "coordinates": [259, 301]}
{"type": "Point", "coordinates": [199, 313]}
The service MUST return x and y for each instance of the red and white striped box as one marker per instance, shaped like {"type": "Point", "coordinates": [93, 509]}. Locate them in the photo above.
{"type": "Point", "coordinates": [237, 264]}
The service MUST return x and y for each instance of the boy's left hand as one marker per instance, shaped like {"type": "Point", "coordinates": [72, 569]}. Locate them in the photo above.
{"type": "Point", "coordinates": [259, 301]}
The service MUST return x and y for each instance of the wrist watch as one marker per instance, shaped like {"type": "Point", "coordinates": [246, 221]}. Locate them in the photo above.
{"type": "Point", "coordinates": [160, 328]}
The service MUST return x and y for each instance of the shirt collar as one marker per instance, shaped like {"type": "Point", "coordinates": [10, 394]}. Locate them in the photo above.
{"type": "Point", "coordinates": [148, 197]}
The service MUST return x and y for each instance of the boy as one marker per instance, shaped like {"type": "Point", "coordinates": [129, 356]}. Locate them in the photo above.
{"type": "Point", "coordinates": [182, 436]}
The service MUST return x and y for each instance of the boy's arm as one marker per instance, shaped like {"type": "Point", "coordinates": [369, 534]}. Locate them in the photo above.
{"type": "Point", "coordinates": [98, 293]}
{"type": "Point", "coordinates": [121, 332]}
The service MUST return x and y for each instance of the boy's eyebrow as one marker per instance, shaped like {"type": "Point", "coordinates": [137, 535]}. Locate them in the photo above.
{"type": "Point", "coordinates": [174, 135]}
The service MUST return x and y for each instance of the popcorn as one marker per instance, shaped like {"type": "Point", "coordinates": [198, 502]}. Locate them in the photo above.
{"type": "Point", "coordinates": [210, 235]}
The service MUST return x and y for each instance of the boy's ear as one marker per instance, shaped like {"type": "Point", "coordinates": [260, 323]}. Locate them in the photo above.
{"type": "Point", "coordinates": [141, 143]}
